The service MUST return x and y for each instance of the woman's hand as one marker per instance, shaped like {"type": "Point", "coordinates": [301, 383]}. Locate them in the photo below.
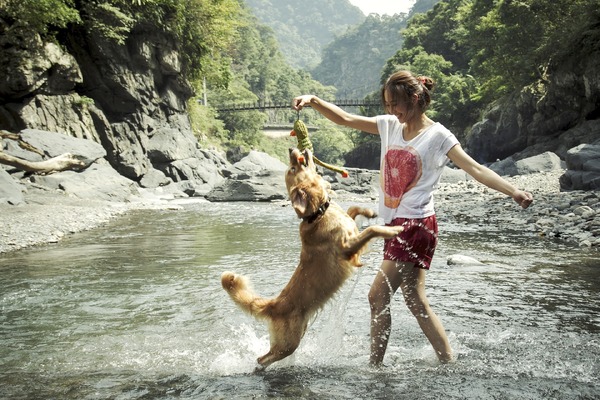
{"type": "Point", "coordinates": [524, 199]}
{"type": "Point", "coordinates": [299, 102]}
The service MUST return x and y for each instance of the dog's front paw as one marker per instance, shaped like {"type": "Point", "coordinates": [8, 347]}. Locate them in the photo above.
{"type": "Point", "coordinates": [393, 231]}
{"type": "Point", "coordinates": [228, 280]}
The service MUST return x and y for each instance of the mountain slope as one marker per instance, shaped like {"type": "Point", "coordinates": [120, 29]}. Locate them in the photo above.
{"type": "Point", "coordinates": [353, 62]}
{"type": "Point", "coordinates": [304, 28]}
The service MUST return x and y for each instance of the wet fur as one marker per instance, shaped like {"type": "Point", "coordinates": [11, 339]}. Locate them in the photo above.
{"type": "Point", "coordinates": [331, 247]}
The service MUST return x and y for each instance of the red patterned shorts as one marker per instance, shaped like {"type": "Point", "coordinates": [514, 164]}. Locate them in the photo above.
{"type": "Point", "coordinates": [416, 243]}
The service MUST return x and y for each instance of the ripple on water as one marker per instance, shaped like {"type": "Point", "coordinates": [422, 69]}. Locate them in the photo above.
{"type": "Point", "coordinates": [136, 310]}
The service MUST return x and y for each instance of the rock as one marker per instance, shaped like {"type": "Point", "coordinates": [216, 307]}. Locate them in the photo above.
{"type": "Point", "coordinates": [267, 188]}
{"type": "Point", "coordinates": [54, 144]}
{"type": "Point", "coordinates": [583, 163]}
{"type": "Point", "coordinates": [256, 177]}
{"type": "Point", "coordinates": [584, 211]}
{"type": "Point", "coordinates": [257, 161]}
{"type": "Point", "coordinates": [199, 170]}
{"type": "Point", "coordinates": [98, 182]}
{"type": "Point", "coordinates": [544, 162]}
{"type": "Point", "coordinates": [459, 259]}
{"type": "Point", "coordinates": [168, 144]}
{"type": "Point", "coordinates": [154, 178]}
{"type": "Point", "coordinates": [11, 192]}
{"type": "Point", "coordinates": [366, 155]}
{"type": "Point", "coordinates": [359, 181]}
{"type": "Point", "coordinates": [550, 115]}
{"type": "Point", "coordinates": [498, 135]}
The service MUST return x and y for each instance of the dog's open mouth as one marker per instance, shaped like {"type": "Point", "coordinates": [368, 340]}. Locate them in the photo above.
{"type": "Point", "coordinates": [298, 157]}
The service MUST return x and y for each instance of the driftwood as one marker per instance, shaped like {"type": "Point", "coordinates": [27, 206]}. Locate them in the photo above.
{"type": "Point", "coordinates": [63, 162]}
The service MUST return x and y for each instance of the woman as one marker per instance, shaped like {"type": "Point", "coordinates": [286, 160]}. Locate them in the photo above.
{"type": "Point", "coordinates": [414, 151]}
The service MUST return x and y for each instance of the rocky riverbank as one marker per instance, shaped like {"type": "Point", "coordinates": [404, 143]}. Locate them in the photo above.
{"type": "Point", "coordinates": [572, 216]}
{"type": "Point", "coordinates": [46, 215]}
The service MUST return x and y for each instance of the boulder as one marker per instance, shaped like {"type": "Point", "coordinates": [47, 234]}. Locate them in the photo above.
{"type": "Point", "coordinates": [359, 181]}
{"type": "Point", "coordinates": [256, 177]}
{"type": "Point", "coordinates": [266, 187]}
{"type": "Point", "coordinates": [454, 175]}
{"type": "Point", "coordinates": [168, 144]}
{"type": "Point", "coordinates": [257, 161]}
{"type": "Point", "coordinates": [583, 168]}
{"type": "Point", "coordinates": [154, 178]}
{"type": "Point", "coordinates": [545, 162]}
{"type": "Point", "coordinates": [54, 144]}
{"type": "Point", "coordinates": [11, 192]}
{"type": "Point", "coordinates": [98, 182]}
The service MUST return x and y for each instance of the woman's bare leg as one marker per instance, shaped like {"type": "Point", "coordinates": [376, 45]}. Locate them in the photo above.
{"type": "Point", "coordinates": [413, 289]}
{"type": "Point", "coordinates": [382, 290]}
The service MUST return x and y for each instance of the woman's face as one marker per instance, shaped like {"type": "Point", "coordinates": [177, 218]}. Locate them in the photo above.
{"type": "Point", "coordinates": [395, 106]}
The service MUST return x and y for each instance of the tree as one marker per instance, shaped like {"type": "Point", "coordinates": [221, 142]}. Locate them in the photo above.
{"type": "Point", "coordinates": [452, 102]}
{"type": "Point", "coordinates": [40, 15]}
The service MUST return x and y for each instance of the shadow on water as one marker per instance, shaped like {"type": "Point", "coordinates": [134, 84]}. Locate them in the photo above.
{"type": "Point", "coordinates": [136, 311]}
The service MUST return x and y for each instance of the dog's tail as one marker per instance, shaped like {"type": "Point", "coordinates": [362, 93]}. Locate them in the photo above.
{"type": "Point", "coordinates": [240, 292]}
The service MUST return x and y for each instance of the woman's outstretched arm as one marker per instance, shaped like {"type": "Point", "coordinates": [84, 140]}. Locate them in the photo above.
{"type": "Point", "coordinates": [336, 114]}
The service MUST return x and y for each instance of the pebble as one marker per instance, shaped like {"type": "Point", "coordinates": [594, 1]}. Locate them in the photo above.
{"type": "Point", "coordinates": [569, 216]}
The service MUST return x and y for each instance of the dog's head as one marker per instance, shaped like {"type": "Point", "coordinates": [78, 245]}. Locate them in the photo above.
{"type": "Point", "coordinates": [306, 188]}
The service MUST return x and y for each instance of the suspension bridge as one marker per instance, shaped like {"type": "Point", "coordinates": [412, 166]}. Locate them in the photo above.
{"type": "Point", "coordinates": [268, 105]}
{"type": "Point", "coordinates": [279, 122]}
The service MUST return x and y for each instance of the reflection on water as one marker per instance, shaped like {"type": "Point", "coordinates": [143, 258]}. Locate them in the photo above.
{"type": "Point", "coordinates": [136, 310]}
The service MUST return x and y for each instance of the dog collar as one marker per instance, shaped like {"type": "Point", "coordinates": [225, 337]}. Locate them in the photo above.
{"type": "Point", "coordinates": [320, 211]}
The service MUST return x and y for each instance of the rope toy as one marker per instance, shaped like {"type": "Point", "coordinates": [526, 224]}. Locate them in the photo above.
{"type": "Point", "coordinates": [301, 133]}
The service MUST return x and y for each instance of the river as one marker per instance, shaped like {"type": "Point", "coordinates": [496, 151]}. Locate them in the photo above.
{"type": "Point", "coordinates": [135, 310]}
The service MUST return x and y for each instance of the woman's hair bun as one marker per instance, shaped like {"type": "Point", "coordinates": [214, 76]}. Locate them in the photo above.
{"type": "Point", "coordinates": [427, 82]}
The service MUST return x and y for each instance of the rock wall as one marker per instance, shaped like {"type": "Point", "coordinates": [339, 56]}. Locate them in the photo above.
{"type": "Point", "coordinates": [131, 98]}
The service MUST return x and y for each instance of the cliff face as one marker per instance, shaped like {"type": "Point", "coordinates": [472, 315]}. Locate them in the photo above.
{"type": "Point", "coordinates": [556, 114]}
{"type": "Point", "coordinates": [131, 98]}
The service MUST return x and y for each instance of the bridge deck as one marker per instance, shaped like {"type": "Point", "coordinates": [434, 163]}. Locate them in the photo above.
{"type": "Point", "coordinates": [271, 105]}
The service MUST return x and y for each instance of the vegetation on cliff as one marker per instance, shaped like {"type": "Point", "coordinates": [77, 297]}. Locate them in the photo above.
{"type": "Point", "coordinates": [203, 28]}
{"type": "Point", "coordinates": [482, 50]}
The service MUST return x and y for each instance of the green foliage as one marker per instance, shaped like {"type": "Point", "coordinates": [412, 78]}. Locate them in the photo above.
{"type": "Point", "coordinates": [205, 125]}
{"type": "Point", "coordinates": [303, 28]}
{"type": "Point", "coordinates": [480, 50]}
{"type": "Point", "coordinates": [207, 29]}
{"type": "Point", "coordinates": [436, 32]}
{"type": "Point", "coordinates": [204, 29]}
{"type": "Point", "coordinates": [108, 20]}
{"type": "Point", "coordinates": [40, 15]}
{"type": "Point", "coordinates": [83, 101]}
{"type": "Point", "coordinates": [352, 62]}
{"type": "Point", "coordinates": [259, 74]}
{"type": "Point", "coordinates": [245, 128]}
{"type": "Point", "coordinates": [330, 142]}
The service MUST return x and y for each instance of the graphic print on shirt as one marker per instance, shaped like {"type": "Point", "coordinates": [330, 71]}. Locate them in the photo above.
{"type": "Point", "coordinates": [401, 170]}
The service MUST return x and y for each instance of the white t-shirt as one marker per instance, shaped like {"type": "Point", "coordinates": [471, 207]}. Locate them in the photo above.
{"type": "Point", "coordinates": [410, 170]}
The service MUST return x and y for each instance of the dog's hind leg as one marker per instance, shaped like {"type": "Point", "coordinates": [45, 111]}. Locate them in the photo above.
{"type": "Point", "coordinates": [285, 339]}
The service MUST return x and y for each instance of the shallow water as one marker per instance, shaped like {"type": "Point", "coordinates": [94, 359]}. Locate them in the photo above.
{"type": "Point", "coordinates": [136, 310]}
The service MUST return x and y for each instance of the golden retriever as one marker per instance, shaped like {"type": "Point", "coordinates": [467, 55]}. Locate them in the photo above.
{"type": "Point", "coordinates": [331, 246]}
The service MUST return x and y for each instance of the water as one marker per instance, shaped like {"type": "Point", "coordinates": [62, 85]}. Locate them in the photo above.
{"type": "Point", "coordinates": [135, 310]}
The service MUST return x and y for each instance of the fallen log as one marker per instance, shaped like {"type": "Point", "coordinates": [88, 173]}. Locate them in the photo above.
{"type": "Point", "coordinates": [66, 161]}
{"type": "Point", "coordinates": [63, 162]}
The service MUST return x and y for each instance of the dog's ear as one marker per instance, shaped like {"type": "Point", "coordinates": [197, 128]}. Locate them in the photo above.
{"type": "Point", "coordinates": [299, 200]}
